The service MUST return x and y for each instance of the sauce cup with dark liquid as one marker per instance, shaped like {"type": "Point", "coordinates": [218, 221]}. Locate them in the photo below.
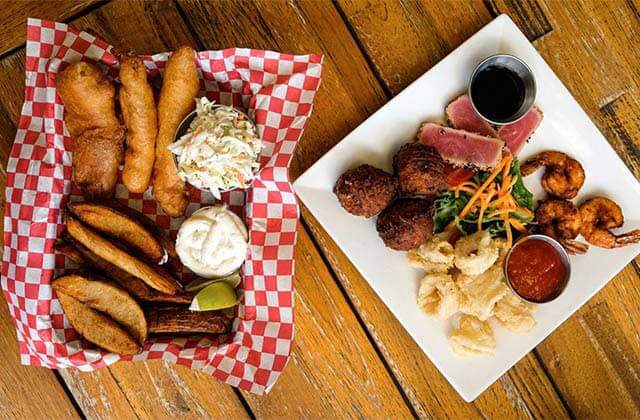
{"type": "Point", "coordinates": [502, 89]}
{"type": "Point", "coordinates": [537, 268]}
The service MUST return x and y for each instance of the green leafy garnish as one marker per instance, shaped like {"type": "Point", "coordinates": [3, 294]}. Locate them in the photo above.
{"type": "Point", "coordinates": [448, 207]}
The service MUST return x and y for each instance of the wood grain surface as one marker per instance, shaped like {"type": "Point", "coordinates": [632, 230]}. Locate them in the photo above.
{"type": "Point", "coordinates": [351, 358]}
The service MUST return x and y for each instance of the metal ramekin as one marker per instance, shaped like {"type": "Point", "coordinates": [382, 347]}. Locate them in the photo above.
{"type": "Point", "coordinates": [521, 69]}
{"type": "Point", "coordinates": [186, 123]}
{"type": "Point", "coordinates": [563, 256]}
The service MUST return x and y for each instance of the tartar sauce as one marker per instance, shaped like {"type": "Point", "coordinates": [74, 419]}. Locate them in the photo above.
{"type": "Point", "coordinates": [213, 242]}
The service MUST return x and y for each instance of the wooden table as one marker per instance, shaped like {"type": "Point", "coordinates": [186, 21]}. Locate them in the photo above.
{"type": "Point", "coordinates": [351, 357]}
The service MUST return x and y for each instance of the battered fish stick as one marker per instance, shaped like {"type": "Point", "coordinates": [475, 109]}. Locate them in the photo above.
{"type": "Point", "coordinates": [141, 120]}
{"type": "Point", "coordinates": [179, 88]}
{"type": "Point", "coordinates": [90, 117]}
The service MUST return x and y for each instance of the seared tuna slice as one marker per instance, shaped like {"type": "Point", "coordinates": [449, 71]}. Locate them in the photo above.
{"type": "Point", "coordinates": [463, 116]}
{"type": "Point", "coordinates": [516, 135]}
{"type": "Point", "coordinates": [462, 148]}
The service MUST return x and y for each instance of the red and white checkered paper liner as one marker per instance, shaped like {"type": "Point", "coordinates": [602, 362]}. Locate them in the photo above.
{"type": "Point", "coordinates": [278, 91]}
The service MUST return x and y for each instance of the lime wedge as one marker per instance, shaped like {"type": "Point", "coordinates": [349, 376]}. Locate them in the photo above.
{"type": "Point", "coordinates": [218, 295]}
{"type": "Point", "coordinates": [232, 280]}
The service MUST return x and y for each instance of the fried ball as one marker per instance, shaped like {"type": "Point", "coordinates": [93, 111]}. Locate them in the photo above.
{"type": "Point", "coordinates": [420, 170]}
{"type": "Point", "coordinates": [406, 224]}
{"type": "Point", "coordinates": [365, 190]}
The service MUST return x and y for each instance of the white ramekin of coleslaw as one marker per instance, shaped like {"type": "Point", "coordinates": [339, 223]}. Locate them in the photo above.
{"type": "Point", "coordinates": [220, 150]}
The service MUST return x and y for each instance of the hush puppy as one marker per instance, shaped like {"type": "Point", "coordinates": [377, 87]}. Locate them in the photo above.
{"type": "Point", "coordinates": [365, 190]}
{"type": "Point", "coordinates": [420, 170]}
{"type": "Point", "coordinates": [406, 224]}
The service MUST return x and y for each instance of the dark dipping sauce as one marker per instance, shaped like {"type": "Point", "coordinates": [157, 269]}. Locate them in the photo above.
{"type": "Point", "coordinates": [536, 271]}
{"type": "Point", "coordinates": [498, 93]}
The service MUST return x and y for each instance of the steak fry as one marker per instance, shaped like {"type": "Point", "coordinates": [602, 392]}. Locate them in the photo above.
{"type": "Point", "coordinates": [83, 256]}
{"type": "Point", "coordinates": [161, 236]}
{"type": "Point", "coordinates": [118, 225]}
{"type": "Point", "coordinates": [153, 277]}
{"type": "Point", "coordinates": [180, 320]}
{"type": "Point", "coordinates": [97, 328]}
{"type": "Point", "coordinates": [179, 89]}
{"type": "Point", "coordinates": [107, 298]}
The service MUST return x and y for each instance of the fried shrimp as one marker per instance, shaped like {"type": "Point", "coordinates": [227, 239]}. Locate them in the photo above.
{"type": "Point", "coordinates": [599, 214]}
{"type": "Point", "coordinates": [563, 176]}
{"type": "Point", "coordinates": [561, 220]}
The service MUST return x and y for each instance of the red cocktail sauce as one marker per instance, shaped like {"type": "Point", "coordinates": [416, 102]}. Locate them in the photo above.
{"type": "Point", "coordinates": [536, 271]}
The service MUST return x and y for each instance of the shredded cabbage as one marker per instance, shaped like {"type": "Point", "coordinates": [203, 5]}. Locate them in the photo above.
{"type": "Point", "coordinates": [220, 150]}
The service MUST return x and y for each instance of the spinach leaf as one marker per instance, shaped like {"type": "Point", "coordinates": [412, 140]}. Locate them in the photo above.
{"type": "Point", "coordinates": [520, 193]}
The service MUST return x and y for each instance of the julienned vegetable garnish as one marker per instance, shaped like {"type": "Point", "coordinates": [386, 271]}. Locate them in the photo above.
{"type": "Point", "coordinates": [495, 201]}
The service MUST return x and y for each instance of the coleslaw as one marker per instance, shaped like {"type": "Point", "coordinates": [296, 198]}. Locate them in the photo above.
{"type": "Point", "coordinates": [220, 150]}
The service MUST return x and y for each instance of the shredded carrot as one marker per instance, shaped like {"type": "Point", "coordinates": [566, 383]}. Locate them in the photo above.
{"type": "Point", "coordinates": [495, 195]}
{"type": "Point", "coordinates": [484, 185]}
{"type": "Point", "coordinates": [517, 225]}
{"type": "Point", "coordinates": [505, 210]}
{"type": "Point", "coordinates": [507, 228]}
{"type": "Point", "coordinates": [458, 190]}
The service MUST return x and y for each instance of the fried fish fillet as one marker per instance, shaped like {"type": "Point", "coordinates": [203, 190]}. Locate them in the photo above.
{"type": "Point", "coordinates": [140, 117]}
{"type": "Point", "coordinates": [118, 225]}
{"type": "Point", "coordinates": [179, 89]}
{"type": "Point", "coordinates": [96, 327]}
{"type": "Point", "coordinates": [90, 118]}
{"type": "Point", "coordinates": [107, 298]}
{"type": "Point", "coordinates": [153, 277]}
{"type": "Point", "coordinates": [136, 287]}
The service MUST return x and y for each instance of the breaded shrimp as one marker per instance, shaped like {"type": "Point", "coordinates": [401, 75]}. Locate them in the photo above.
{"type": "Point", "coordinates": [561, 220]}
{"type": "Point", "coordinates": [599, 214]}
{"type": "Point", "coordinates": [563, 177]}
{"type": "Point", "coordinates": [179, 89]}
{"type": "Point", "coordinates": [141, 120]}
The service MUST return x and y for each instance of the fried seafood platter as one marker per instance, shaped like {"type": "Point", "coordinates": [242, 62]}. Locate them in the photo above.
{"type": "Point", "coordinates": [126, 281]}
{"type": "Point", "coordinates": [457, 203]}
{"type": "Point", "coordinates": [481, 238]}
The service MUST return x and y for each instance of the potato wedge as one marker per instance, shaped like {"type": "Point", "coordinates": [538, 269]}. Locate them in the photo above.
{"type": "Point", "coordinates": [118, 225]}
{"type": "Point", "coordinates": [153, 277]}
{"type": "Point", "coordinates": [97, 328]}
{"type": "Point", "coordinates": [107, 298]}
{"type": "Point", "coordinates": [180, 320]}
{"type": "Point", "coordinates": [136, 287]}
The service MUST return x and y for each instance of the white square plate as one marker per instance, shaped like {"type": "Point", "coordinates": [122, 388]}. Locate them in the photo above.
{"type": "Point", "coordinates": [565, 127]}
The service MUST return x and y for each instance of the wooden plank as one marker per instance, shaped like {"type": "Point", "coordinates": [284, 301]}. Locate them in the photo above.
{"type": "Point", "coordinates": [98, 394]}
{"type": "Point", "coordinates": [27, 392]}
{"type": "Point", "coordinates": [403, 39]}
{"type": "Point", "coordinates": [15, 14]}
{"type": "Point", "coordinates": [620, 123]}
{"type": "Point", "coordinates": [602, 381]}
{"type": "Point", "coordinates": [526, 13]}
